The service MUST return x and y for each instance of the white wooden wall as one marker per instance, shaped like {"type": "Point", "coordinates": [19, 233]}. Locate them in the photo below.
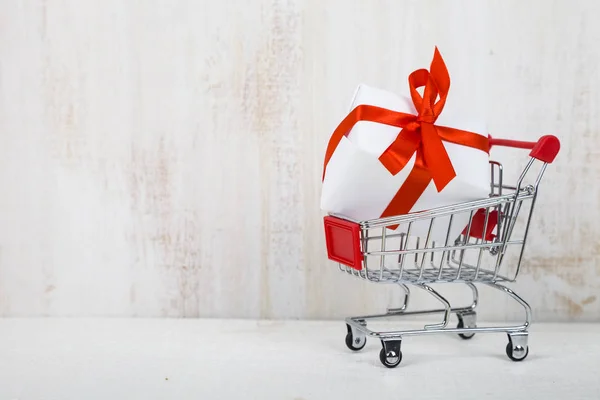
{"type": "Point", "coordinates": [163, 157]}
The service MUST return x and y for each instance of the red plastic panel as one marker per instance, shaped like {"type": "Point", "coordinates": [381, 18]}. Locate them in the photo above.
{"type": "Point", "coordinates": [343, 242]}
{"type": "Point", "coordinates": [478, 223]}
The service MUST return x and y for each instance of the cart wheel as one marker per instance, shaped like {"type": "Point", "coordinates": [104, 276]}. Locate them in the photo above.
{"type": "Point", "coordinates": [390, 355]}
{"type": "Point", "coordinates": [390, 361]}
{"type": "Point", "coordinates": [355, 343]}
{"type": "Point", "coordinates": [465, 336]}
{"type": "Point", "coordinates": [516, 353]}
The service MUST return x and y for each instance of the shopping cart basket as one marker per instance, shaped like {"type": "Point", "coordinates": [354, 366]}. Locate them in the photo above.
{"type": "Point", "coordinates": [497, 226]}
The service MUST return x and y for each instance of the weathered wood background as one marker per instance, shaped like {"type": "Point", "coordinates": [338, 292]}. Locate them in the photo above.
{"type": "Point", "coordinates": [163, 158]}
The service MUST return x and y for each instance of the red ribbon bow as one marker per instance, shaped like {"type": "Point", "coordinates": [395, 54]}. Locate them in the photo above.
{"type": "Point", "coordinates": [418, 135]}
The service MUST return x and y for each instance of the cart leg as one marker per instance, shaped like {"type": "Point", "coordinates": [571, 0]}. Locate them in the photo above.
{"type": "Point", "coordinates": [398, 310]}
{"type": "Point", "coordinates": [468, 319]}
{"type": "Point", "coordinates": [390, 355]}
{"type": "Point", "coordinates": [447, 307]}
{"type": "Point", "coordinates": [475, 293]}
{"type": "Point", "coordinates": [519, 300]}
{"type": "Point", "coordinates": [517, 348]}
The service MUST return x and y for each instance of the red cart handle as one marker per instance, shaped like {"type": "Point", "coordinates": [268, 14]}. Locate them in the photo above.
{"type": "Point", "coordinates": [545, 149]}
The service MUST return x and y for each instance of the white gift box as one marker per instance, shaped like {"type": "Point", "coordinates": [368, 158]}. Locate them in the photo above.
{"type": "Point", "coordinates": [357, 185]}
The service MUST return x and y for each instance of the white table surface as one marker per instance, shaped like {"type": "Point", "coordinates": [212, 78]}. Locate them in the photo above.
{"type": "Point", "coordinates": [216, 359]}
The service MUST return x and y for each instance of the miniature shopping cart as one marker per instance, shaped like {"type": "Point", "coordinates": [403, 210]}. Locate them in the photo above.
{"type": "Point", "coordinates": [489, 251]}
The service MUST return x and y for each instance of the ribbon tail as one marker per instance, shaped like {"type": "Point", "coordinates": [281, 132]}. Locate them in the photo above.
{"type": "Point", "coordinates": [410, 191]}
{"type": "Point", "coordinates": [399, 153]}
{"type": "Point", "coordinates": [436, 157]}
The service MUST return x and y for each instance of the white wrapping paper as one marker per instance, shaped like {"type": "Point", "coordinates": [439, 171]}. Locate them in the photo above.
{"type": "Point", "coordinates": [358, 186]}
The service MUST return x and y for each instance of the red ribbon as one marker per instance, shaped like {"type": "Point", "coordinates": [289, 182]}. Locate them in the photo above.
{"type": "Point", "coordinates": [418, 135]}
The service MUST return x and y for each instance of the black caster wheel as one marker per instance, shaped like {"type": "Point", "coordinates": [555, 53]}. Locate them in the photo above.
{"type": "Point", "coordinates": [465, 336]}
{"type": "Point", "coordinates": [390, 355]}
{"type": "Point", "coordinates": [355, 343]}
{"type": "Point", "coordinates": [392, 360]}
{"type": "Point", "coordinates": [517, 353]}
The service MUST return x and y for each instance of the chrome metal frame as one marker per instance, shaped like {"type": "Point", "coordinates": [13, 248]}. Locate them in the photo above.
{"type": "Point", "coordinates": [449, 263]}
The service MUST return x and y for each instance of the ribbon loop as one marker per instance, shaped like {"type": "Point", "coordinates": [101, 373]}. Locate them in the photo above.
{"type": "Point", "coordinates": [436, 83]}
